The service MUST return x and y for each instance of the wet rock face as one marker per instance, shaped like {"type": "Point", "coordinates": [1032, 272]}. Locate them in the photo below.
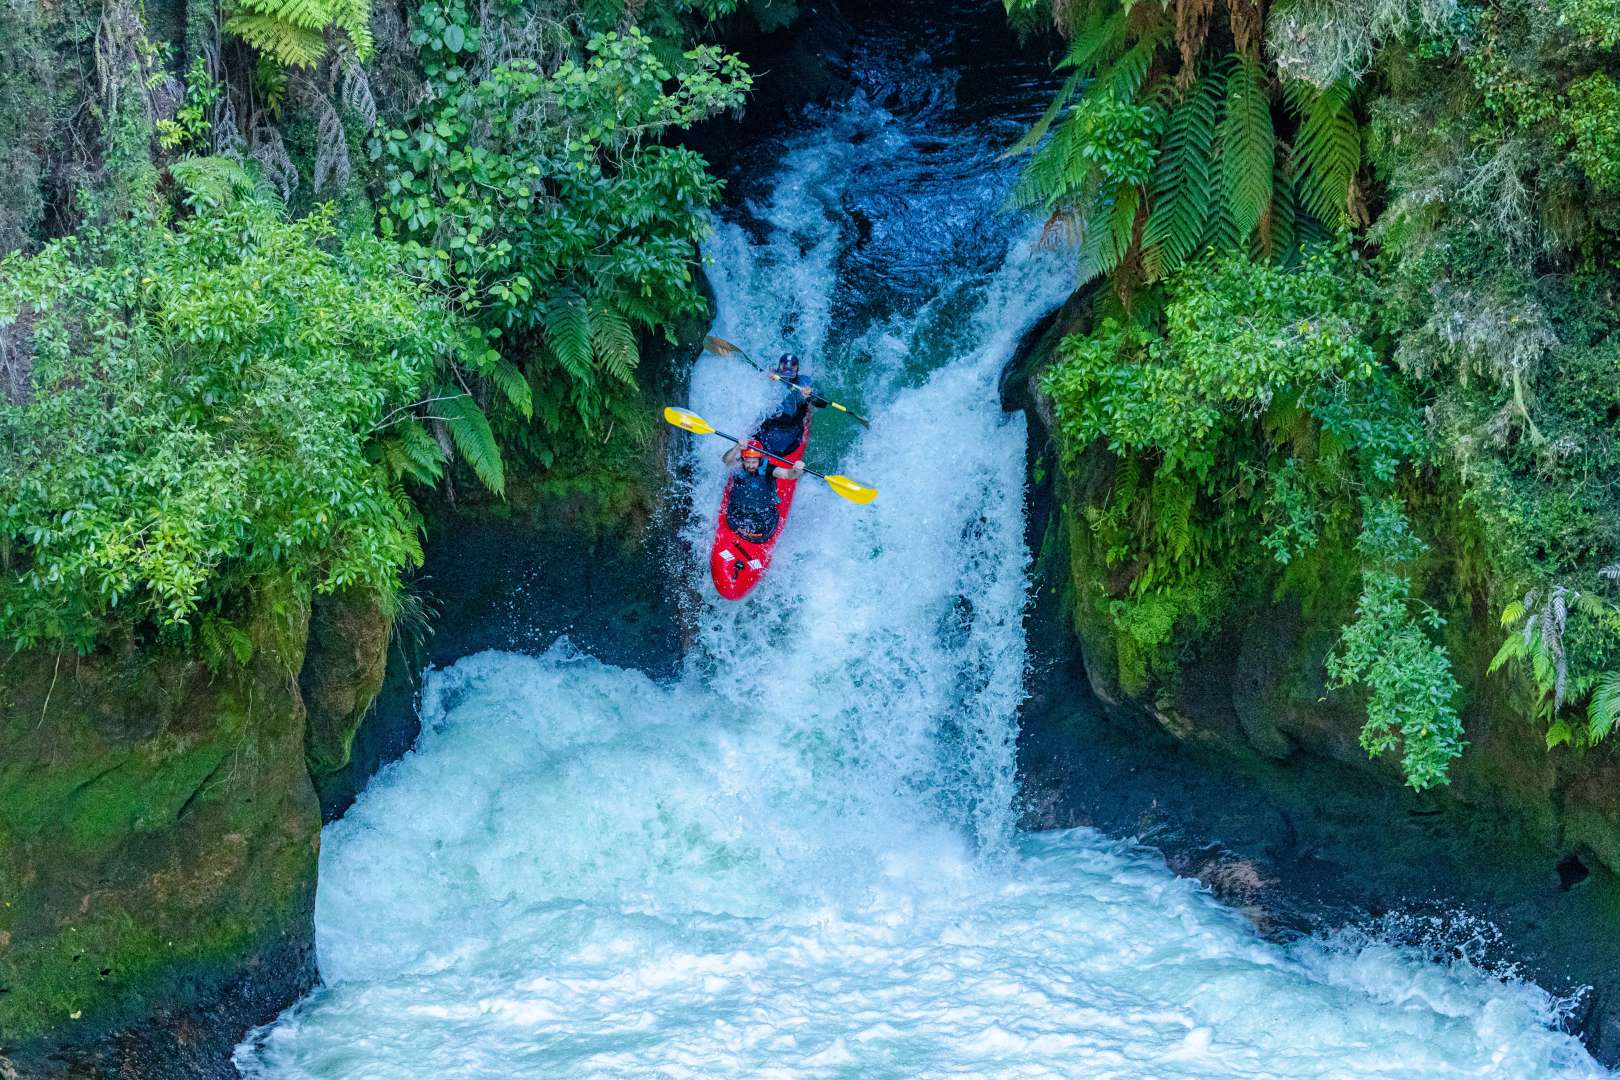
{"type": "Point", "coordinates": [158, 847]}
{"type": "Point", "coordinates": [342, 673]}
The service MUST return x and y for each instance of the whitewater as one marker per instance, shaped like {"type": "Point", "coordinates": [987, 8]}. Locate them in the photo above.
{"type": "Point", "coordinates": [801, 858]}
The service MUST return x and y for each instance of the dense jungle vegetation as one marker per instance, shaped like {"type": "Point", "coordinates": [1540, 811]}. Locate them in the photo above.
{"type": "Point", "coordinates": [1355, 278]}
{"type": "Point", "coordinates": [280, 267]}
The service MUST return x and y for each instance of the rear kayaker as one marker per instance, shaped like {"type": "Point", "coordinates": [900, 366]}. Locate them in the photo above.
{"type": "Point", "coordinates": [743, 538]}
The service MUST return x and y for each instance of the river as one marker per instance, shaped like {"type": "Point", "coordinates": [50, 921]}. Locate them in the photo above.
{"type": "Point", "coordinates": [800, 857]}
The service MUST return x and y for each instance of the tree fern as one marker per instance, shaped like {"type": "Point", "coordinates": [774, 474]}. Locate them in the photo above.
{"type": "Point", "coordinates": [1172, 497]}
{"type": "Point", "coordinates": [1248, 145]}
{"type": "Point", "coordinates": [474, 440]}
{"type": "Point", "coordinates": [1327, 150]}
{"type": "Point", "coordinates": [293, 32]}
{"type": "Point", "coordinates": [1099, 41]}
{"type": "Point", "coordinates": [1183, 181]}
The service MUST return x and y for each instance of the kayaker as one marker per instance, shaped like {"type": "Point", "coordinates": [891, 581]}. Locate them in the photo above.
{"type": "Point", "coordinates": [780, 431]}
{"type": "Point", "coordinates": [752, 510]}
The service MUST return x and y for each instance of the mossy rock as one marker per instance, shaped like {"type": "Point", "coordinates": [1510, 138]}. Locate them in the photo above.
{"type": "Point", "coordinates": [160, 835]}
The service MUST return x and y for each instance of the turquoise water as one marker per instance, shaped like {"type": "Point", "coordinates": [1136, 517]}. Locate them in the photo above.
{"type": "Point", "coordinates": [800, 858]}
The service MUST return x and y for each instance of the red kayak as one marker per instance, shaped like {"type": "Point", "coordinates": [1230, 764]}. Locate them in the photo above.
{"type": "Point", "coordinates": [737, 564]}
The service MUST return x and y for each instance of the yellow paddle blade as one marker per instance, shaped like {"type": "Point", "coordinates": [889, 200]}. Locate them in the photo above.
{"type": "Point", "coordinates": [689, 420]}
{"type": "Point", "coordinates": [719, 346]}
{"type": "Point", "coordinates": [849, 489]}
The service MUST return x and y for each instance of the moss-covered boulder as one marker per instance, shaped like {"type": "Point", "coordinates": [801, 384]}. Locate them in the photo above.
{"type": "Point", "coordinates": [158, 846]}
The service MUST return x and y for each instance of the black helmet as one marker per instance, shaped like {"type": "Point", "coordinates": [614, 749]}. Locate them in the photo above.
{"type": "Point", "coordinates": [788, 364]}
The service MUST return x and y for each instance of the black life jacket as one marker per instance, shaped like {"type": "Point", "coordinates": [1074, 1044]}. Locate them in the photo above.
{"type": "Point", "coordinates": [781, 431]}
{"type": "Point", "coordinates": [752, 510]}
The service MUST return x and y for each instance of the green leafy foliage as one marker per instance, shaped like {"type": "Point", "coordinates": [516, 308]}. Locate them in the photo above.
{"type": "Point", "coordinates": [190, 126]}
{"type": "Point", "coordinates": [203, 412]}
{"type": "Point", "coordinates": [1183, 186]}
{"type": "Point", "coordinates": [1238, 335]}
{"type": "Point", "coordinates": [1594, 126]}
{"type": "Point", "coordinates": [1546, 629]}
{"type": "Point", "coordinates": [1411, 692]}
{"type": "Point", "coordinates": [542, 205]}
{"type": "Point", "coordinates": [1498, 254]}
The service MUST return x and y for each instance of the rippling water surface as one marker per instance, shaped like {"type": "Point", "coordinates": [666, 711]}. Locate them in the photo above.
{"type": "Point", "coordinates": [800, 857]}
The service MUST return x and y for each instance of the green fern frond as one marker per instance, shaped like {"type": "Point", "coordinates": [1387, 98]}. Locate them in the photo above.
{"type": "Point", "coordinates": [1327, 150]}
{"type": "Point", "coordinates": [513, 385]}
{"type": "Point", "coordinates": [353, 17]}
{"type": "Point", "coordinates": [293, 32]}
{"type": "Point", "coordinates": [1038, 130]}
{"type": "Point", "coordinates": [1514, 647]}
{"type": "Point", "coordinates": [614, 341]}
{"type": "Point", "coordinates": [1183, 185]}
{"type": "Point", "coordinates": [637, 309]}
{"type": "Point", "coordinates": [568, 332]}
{"type": "Point", "coordinates": [1278, 237]}
{"type": "Point", "coordinates": [1125, 76]}
{"type": "Point", "coordinates": [1120, 228]}
{"type": "Point", "coordinates": [1099, 41]}
{"type": "Point", "coordinates": [1092, 227]}
{"type": "Point", "coordinates": [289, 44]}
{"type": "Point", "coordinates": [411, 538]}
{"type": "Point", "coordinates": [1309, 232]}
{"type": "Point", "coordinates": [217, 636]}
{"type": "Point", "coordinates": [422, 456]}
{"type": "Point", "coordinates": [410, 452]}
{"type": "Point", "coordinates": [1248, 145]}
{"type": "Point", "coordinates": [1172, 512]}
{"type": "Point", "coordinates": [1603, 711]}
{"type": "Point", "coordinates": [309, 14]}
{"type": "Point", "coordinates": [474, 439]}
{"type": "Point", "coordinates": [214, 181]}
{"type": "Point", "coordinates": [1224, 234]}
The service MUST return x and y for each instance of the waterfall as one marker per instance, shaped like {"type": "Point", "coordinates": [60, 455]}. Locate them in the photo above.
{"type": "Point", "coordinates": [800, 857]}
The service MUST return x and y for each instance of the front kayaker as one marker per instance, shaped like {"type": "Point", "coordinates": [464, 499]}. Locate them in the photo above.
{"type": "Point", "coordinates": [780, 432]}
{"type": "Point", "coordinates": [752, 509]}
